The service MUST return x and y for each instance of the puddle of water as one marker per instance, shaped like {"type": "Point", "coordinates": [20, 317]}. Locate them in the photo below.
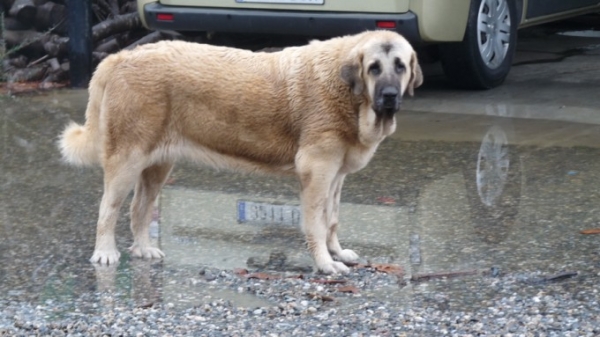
{"type": "Point", "coordinates": [424, 203]}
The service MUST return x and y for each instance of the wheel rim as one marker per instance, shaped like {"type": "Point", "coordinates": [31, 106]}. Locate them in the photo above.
{"type": "Point", "coordinates": [492, 166]}
{"type": "Point", "coordinates": [493, 31]}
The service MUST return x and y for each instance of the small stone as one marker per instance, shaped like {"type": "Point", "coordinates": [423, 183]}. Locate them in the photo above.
{"type": "Point", "coordinates": [208, 276]}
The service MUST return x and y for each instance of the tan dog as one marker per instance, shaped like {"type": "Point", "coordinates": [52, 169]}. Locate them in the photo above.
{"type": "Point", "coordinates": [318, 111]}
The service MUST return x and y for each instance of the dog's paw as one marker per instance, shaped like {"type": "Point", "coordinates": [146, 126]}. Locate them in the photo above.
{"type": "Point", "coordinates": [105, 256]}
{"type": "Point", "coordinates": [146, 252]}
{"type": "Point", "coordinates": [334, 267]}
{"type": "Point", "coordinates": [347, 256]}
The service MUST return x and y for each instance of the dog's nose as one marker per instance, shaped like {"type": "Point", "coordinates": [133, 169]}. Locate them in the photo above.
{"type": "Point", "coordinates": [389, 93]}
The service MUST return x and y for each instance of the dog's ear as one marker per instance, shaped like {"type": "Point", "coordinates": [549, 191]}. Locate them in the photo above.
{"type": "Point", "coordinates": [352, 73]}
{"type": "Point", "coordinates": [416, 75]}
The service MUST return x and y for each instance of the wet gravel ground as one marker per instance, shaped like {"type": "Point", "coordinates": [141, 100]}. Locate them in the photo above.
{"type": "Point", "coordinates": [536, 275]}
{"type": "Point", "coordinates": [523, 304]}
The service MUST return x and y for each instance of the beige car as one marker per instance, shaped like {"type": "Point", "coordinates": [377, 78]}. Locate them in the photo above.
{"type": "Point", "coordinates": [476, 38]}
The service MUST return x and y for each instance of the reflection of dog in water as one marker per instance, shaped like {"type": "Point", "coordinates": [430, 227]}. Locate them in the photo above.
{"type": "Point", "coordinates": [317, 111]}
{"type": "Point", "coordinates": [280, 261]}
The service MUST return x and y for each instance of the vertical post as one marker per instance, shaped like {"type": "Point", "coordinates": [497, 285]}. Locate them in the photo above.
{"type": "Point", "coordinates": [2, 46]}
{"type": "Point", "coordinates": [79, 16]}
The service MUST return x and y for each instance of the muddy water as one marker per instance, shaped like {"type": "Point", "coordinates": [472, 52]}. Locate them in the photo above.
{"type": "Point", "coordinates": [448, 192]}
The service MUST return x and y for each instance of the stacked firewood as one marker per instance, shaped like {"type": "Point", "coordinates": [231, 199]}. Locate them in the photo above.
{"type": "Point", "coordinates": [34, 40]}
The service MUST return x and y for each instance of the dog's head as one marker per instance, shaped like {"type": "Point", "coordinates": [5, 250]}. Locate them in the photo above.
{"type": "Point", "coordinates": [382, 67]}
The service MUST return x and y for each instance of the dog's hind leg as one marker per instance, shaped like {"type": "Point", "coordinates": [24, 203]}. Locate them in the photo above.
{"type": "Point", "coordinates": [346, 256]}
{"type": "Point", "coordinates": [147, 188]}
{"type": "Point", "coordinates": [119, 178]}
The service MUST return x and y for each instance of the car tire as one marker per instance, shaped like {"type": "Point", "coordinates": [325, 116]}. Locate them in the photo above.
{"type": "Point", "coordinates": [483, 59]}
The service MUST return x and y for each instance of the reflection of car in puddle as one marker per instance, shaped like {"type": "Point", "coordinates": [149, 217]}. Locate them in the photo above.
{"type": "Point", "coordinates": [494, 186]}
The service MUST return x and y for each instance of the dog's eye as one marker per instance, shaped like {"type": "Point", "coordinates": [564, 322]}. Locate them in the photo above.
{"type": "Point", "coordinates": [375, 69]}
{"type": "Point", "coordinates": [399, 65]}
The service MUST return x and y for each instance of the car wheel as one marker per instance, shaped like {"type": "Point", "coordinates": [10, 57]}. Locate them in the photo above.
{"type": "Point", "coordinates": [483, 59]}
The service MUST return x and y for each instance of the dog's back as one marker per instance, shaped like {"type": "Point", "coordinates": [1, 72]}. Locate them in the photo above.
{"type": "Point", "coordinates": [174, 93]}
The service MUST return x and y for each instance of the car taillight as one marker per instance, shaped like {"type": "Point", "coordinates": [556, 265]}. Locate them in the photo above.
{"type": "Point", "coordinates": [165, 17]}
{"type": "Point", "coordinates": [386, 24]}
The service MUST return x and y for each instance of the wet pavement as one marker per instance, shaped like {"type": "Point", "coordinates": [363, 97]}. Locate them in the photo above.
{"type": "Point", "coordinates": [500, 182]}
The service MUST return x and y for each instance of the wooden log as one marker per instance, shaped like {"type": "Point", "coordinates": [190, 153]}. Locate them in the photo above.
{"type": "Point", "coordinates": [17, 62]}
{"type": "Point", "coordinates": [6, 4]}
{"type": "Point", "coordinates": [128, 7]}
{"type": "Point", "coordinates": [38, 61]}
{"type": "Point", "coordinates": [111, 45]}
{"type": "Point", "coordinates": [150, 38]}
{"type": "Point", "coordinates": [14, 24]}
{"type": "Point", "coordinates": [23, 10]}
{"type": "Point", "coordinates": [100, 13]}
{"type": "Point", "coordinates": [56, 46]}
{"type": "Point", "coordinates": [58, 72]}
{"type": "Point", "coordinates": [54, 77]}
{"type": "Point", "coordinates": [98, 56]}
{"type": "Point", "coordinates": [36, 73]}
{"type": "Point", "coordinates": [118, 24]}
{"type": "Point", "coordinates": [26, 38]}
{"type": "Point", "coordinates": [50, 15]}
{"type": "Point", "coordinates": [53, 64]}
{"type": "Point", "coordinates": [114, 7]}
{"type": "Point", "coordinates": [5, 67]}
{"type": "Point", "coordinates": [35, 44]}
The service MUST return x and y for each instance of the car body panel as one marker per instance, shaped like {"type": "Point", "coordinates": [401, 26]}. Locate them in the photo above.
{"type": "Point", "coordinates": [539, 8]}
{"type": "Point", "coordinates": [269, 22]}
{"type": "Point", "coordinates": [437, 20]}
{"type": "Point", "coordinates": [531, 21]}
{"type": "Point", "coordinates": [142, 13]}
{"type": "Point", "coordinates": [362, 6]}
{"type": "Point", "coordinates": [441, 21]}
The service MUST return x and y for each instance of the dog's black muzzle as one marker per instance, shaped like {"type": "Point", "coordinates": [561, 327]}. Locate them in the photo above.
{"type": "Point", "coordinates": [387, 100]}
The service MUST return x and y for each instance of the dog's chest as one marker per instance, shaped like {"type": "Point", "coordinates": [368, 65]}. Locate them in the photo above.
{"type": "Point", "coordinates": [357, 158]}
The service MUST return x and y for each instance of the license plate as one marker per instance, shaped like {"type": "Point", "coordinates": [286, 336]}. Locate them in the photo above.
{"type": "Point", "coordinates": [295, 2]}
{"type": "Point", "coordinates": [267, 214]}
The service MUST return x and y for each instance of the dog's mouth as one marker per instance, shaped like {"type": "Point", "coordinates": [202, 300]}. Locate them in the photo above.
{"type": "Point", "coordinates": [388, 101]}
{"type": "Point", "coordinates": [386, 108]}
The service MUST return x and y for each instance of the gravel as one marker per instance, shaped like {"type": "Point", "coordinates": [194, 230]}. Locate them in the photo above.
{"type": "Point", "coordinates": [490, 303]}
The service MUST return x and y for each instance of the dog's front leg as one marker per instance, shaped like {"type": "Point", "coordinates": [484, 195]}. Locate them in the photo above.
{"type": "Point", "coordinates": [317, 171]}
{"type": "Point", "coordinates": [346, 256]}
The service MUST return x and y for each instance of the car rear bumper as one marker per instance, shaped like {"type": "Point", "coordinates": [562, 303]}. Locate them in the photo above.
{"type": "Point", "coordinates": [326, 24]}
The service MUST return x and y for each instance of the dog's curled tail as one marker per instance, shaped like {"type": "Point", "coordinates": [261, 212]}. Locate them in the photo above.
{"type": "Point", "coordinates": [79, 146]}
